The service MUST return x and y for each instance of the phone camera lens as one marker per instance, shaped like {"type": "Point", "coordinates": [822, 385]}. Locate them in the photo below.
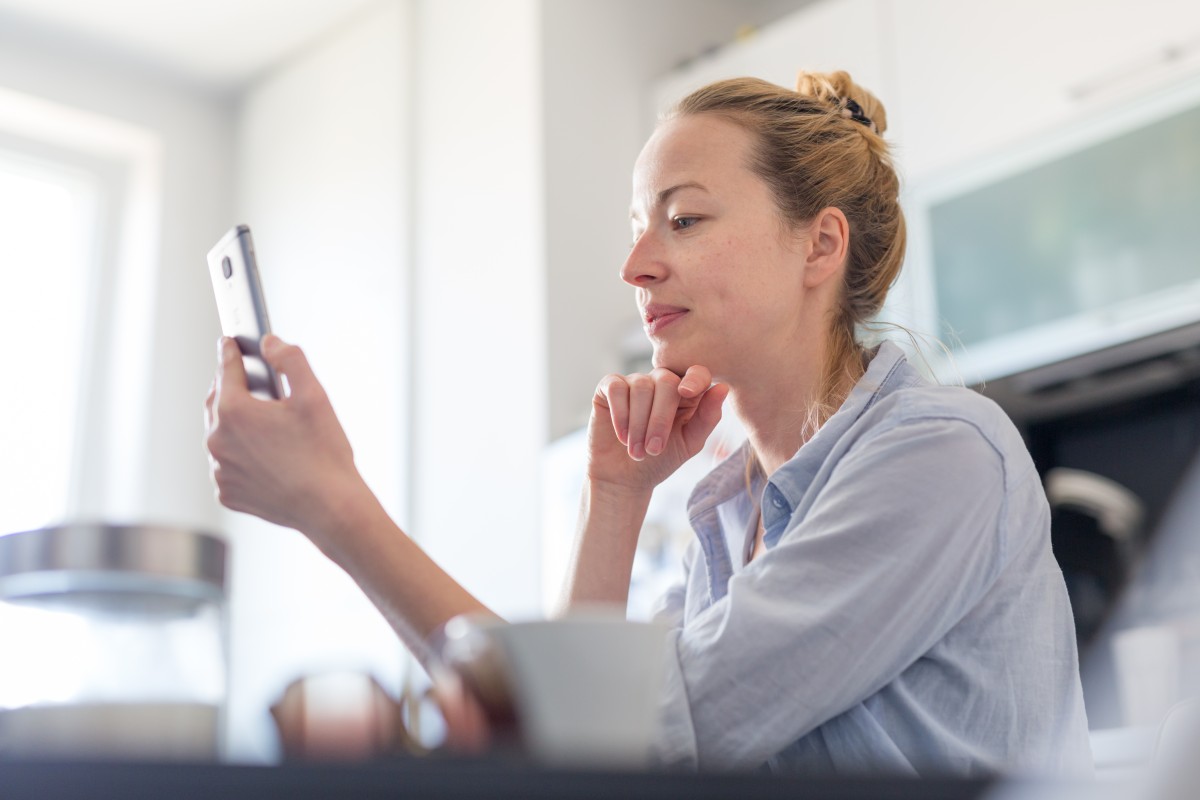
{"type": "Point", "coordinates": [227, 267]}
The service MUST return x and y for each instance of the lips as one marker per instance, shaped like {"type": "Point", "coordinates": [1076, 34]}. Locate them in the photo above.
{"type": "Point", "coordinates": [657, 316]}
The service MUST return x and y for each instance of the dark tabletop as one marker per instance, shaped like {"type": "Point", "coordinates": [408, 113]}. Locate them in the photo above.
{"type": "Point", "coordinates": [431, 778]}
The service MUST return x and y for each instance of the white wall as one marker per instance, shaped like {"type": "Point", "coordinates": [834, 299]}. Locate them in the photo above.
{"type": "Point", "coordinates": [195, 132]}
{"type": "Point", "coordinates": [322, 147]}
{"type": "Point", "coordinates": [479, 373]}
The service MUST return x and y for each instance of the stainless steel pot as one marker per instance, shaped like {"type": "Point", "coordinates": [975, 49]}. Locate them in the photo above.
{"type": "Point", "coordinates": [115, 642]}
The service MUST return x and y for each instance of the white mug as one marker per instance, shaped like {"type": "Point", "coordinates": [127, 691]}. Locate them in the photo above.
{"type": "Point", "coordinates": [585, 688]}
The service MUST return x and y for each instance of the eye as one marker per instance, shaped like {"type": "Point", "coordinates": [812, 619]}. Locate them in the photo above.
{"type": "Point", "coordinates": [682, 223]}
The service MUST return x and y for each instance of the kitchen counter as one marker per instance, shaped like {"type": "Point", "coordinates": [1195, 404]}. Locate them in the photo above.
{"type": "Point", "coordinates": [428, 778]}
{"type": "Point", "coordinates": [460, 778]}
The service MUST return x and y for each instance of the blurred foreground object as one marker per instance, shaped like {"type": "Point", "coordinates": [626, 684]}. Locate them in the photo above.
{"type": "Point", "coordinates": [114, 642]}
{"type": "Point", "coordinates": [579, 691]}
{"type": "Point", "coordinates": [340, 716]}
{"type": "Point", "coordinates": [1095, 527]}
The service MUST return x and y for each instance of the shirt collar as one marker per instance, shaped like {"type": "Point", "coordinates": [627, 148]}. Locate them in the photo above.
{"type": "Point", "coordinates": [889, 370]}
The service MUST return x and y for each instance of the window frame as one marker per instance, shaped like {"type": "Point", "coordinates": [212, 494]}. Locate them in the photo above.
{"type": "Point", "coordinates": [111, 441]}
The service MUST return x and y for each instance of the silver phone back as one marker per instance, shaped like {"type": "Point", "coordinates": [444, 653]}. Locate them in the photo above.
{"type": "Point", "coordinates": [242, 306]}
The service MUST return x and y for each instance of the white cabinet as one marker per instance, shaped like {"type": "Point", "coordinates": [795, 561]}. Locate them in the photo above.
{"type": "Point", "coordinates": [964, 78]}
{"type": "Point", "coordinates": [1049, 163]}
{"type": "Point", "coordinates": [830, 35]}
{"type": "Point", "coordinates": [975, 77]}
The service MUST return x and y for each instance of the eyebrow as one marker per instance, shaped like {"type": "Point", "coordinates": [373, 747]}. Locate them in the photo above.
{"type": "Point", "coordinates": [665, 194]}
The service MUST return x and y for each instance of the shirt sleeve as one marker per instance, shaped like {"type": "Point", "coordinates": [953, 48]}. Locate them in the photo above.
{"type": "Point", "coordinates": [904, 538]}
{"type": "Point", "coordinates": [669, 609]}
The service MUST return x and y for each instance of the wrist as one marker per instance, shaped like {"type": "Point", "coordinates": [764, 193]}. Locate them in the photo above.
{"type": "Point", "coordinates": [345, 513]}
{"type": "Point", "coordinates": [615, 495]}
{"type": "Point", "coordinates": [616, 512]}
{"type": "Point", "coordinates": [611, 518]}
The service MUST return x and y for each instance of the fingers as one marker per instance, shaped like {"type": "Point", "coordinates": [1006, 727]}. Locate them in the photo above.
{"type": "Point", "coordinates": [231, 372]}
{"type": "Point", "coordinates": [646, 410]}
{"type": "Point", "coordinates": [209, 400]}
{"type": "Point", "coordinates": [641, 401]}
{"type": "Point", "coordinates": [229, 385]}
{"type": "Point", "coordinates": [653, 402]}
{"type": "Point", "coordinates": [662, 411]}
{"type": "Point", "coordinates": [613, 394]}
{"type": "Point", "coordinates": [708, 414]}
{"type": "Point", "coordinates": [227, 391]}
{"type": "Point", "coordinates": [289, 360]}
{"type": "Point", "coordinates": [695, 382]}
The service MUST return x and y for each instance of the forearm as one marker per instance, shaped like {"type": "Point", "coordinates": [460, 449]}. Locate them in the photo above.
{"type": "Point", "coordinates": [412, 592]}
{"type": "Point", "coordinates": [610, 520]}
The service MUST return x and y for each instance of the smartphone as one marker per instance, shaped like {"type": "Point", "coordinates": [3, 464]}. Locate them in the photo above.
{"type": "Point", "coordinates": [242, 306]}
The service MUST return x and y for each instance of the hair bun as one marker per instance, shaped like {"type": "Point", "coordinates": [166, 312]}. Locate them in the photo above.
{"type": "Point", "coordinates": [840, 89]}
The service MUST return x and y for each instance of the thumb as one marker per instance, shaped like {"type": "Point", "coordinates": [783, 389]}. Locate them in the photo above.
{"type": "Point", "coordinates": [708, 414]}
{"type": "Point", "coordinates": [288, 360]}
{"type": "Point", "coordinates": [231, 372]}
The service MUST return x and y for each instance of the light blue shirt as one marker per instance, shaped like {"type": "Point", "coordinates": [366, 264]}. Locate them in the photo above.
{"type": "Point", "coordinates": [908, 615]}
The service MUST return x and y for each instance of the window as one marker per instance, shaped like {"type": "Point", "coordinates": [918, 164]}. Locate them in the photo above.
{"type": "Point", "coordinates": [47, 215]}
{"type": "Point", "coordinates": [79, 203]}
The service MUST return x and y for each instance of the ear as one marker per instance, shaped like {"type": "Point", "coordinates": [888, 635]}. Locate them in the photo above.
{"type": "Point", "coordinates": [829, 242]}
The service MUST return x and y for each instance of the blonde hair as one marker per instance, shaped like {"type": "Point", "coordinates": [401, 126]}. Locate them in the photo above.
{"type": "Point", "coordinates": [817, 147]}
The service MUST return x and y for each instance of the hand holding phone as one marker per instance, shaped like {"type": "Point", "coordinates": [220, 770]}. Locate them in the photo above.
{"type": "Point", "coordinates": [242, 307]}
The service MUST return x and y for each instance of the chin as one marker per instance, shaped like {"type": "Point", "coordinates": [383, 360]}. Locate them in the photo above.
{"type": "Point", "coordinates": [675, 362]}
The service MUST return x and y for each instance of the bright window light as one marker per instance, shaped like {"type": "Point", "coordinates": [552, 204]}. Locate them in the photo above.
{"type": "Point", "coordinates": [47, 229]}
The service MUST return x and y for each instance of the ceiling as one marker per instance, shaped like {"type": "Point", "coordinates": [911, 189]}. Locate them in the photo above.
{"type": "Point", "coordinates": [219, 44]}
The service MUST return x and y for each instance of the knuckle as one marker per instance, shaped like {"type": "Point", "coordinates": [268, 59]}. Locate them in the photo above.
{"type": "Point", "coordinates": [663, 375]}
{"type": "Point", "coordinates": [309, 410]}
{"type": "Point", "coordinates": [609, 381]}
{"type": "Point", "coordinates": [225, 497]}
{"type": "Point", "coordinates": [214, 442]}
{"type": "Point", "coordinates": [662, 418]}
{"type": "Point", "coordinates": [312, 401]}
{"type": "Point", "coordinates": [228, 408]}
{"type": "Point", "coordinates": [640, 383]}
{"type": "Point", "coordinates": [615, 389]}
{"type": "Point", "coordinates": [290, 354]}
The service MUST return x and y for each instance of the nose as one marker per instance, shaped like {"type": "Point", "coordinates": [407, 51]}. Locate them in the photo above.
{"type": "Point", "coordinates": [644, 264]}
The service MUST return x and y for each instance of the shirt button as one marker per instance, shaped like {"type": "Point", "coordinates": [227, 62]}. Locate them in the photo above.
{"type": "Point", "coordinates": [775, 501]}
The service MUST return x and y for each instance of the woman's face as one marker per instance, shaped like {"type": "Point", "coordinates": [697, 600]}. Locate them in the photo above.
{"type": "Point", "coordinates": [719, 278]}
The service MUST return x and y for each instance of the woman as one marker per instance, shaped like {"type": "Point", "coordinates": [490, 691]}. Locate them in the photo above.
{"type": "Point", "coordinates": [872, 587]}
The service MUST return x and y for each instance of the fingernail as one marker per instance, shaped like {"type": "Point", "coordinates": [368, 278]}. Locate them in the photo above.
{"type": "Point", "coordinates": [637, 452]}
{"type": "Point", "coordinates": [269, 344]}
{"type": "Point", "coordinates": [654, 446]}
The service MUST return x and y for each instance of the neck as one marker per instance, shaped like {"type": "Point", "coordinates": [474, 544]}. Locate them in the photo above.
{"type": "Point", "coordinates": [782, 410]}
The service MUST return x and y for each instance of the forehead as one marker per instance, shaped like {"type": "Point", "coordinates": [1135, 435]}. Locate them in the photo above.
{"type": "Point", "coordinates": [700, 148]}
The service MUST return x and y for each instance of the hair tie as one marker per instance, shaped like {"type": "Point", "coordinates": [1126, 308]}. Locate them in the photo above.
{"type": "Point", "coordinates": [852, 110]}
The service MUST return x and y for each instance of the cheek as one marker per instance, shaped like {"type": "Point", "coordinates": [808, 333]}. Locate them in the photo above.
{"type": "Point", "coordinates": [731, 266]}
{"type": "Point", "coordinates": [766, 299]}
{"type": "Point", "coordinates": [759, 273]}
{"type": "Point", "coordinates": [747, 275]}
